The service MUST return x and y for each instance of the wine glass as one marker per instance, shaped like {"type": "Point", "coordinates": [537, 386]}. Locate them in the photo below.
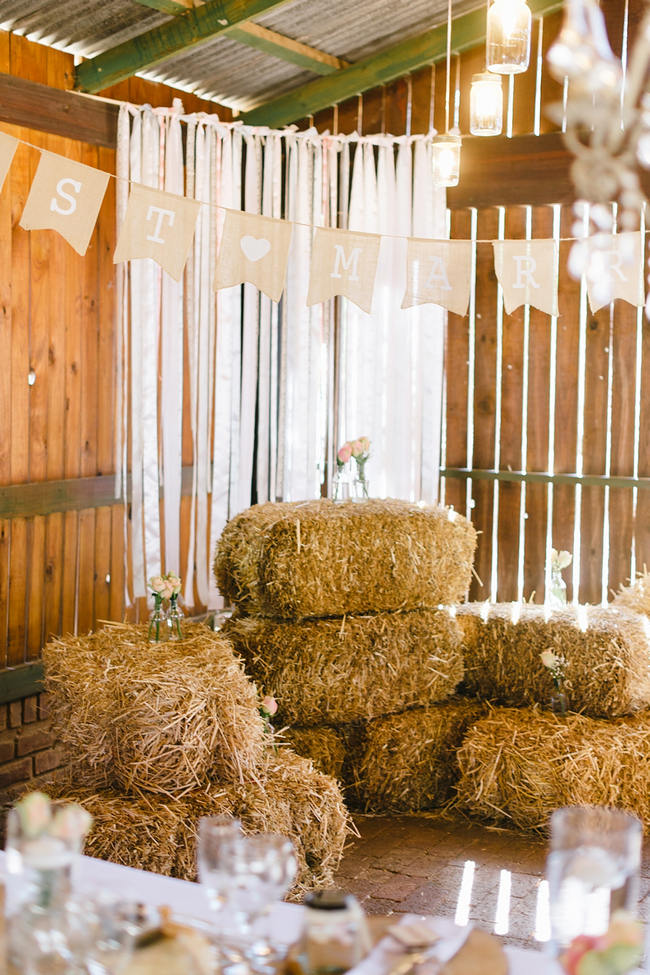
{"type": "Point", "coordinates": [215, 835]}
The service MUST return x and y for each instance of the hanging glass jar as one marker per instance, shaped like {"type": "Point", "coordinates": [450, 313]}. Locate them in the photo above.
{"type": "Point", "coordinates": [174, 619]}
{"type": "Point", "coordinates": [508, 36]}
{"type": "Point", "coordinates": [445, 159]}
{"type": "Point", "coordinates": [486, 104]}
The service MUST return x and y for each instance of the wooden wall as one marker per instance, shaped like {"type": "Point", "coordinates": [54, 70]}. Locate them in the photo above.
{"type": "Point", "coordinates": [61, 554]}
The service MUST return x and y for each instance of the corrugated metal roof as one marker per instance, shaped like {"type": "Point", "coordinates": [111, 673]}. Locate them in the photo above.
{"type": "Point", "coordinates": [224, 69]}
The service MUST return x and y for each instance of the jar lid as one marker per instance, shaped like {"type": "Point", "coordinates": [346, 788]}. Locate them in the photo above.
{"type": "Point", "coordinates": [328, 900]}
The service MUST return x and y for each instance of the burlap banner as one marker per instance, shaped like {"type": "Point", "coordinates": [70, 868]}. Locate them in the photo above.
{"type": "Point", "coordinates": [438, 272]}
{"type": "Point", "coordinates": [253, 249]}
{"type": "Point", "coordinates": [526, 270]}
{"type": "Point", "coordinates": [8, 146]}
{"type": "Point", "coordinates": [615, 270]}
{"type": "Point", "coordinates": [160, 226]}
{"type": "Point", "coordinates": [343, 263]}
{"type": "Point", "coordinates": [65, 196]}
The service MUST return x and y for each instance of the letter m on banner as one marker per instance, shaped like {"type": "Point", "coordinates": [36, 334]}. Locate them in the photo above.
{"type": "Point", "coordinates": [343, 263]}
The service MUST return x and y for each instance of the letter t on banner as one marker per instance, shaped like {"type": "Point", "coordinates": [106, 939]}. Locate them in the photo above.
{"type": "Point", "coordinates": [65, 196]}
{"type": "Point", "coordinates": [343, 263]}
{"type": "Point", "coordinates": [157, 225]}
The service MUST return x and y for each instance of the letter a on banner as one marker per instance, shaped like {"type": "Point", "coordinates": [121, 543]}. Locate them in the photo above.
{"type": "Point", "coordinates": [65, 196]}
{"type": "Point", "coordinates": [343, 263]}
{"type": "Point", "coordinates": [253, 249]}
{"type": "Point", "coordinates": [527, 273]}
{"type": "Point", "coordinates": [157, 225]}
{"type": "Point", "coordinates": [438, 272]}
{"type": "Point", "coordinates": [8, 146]}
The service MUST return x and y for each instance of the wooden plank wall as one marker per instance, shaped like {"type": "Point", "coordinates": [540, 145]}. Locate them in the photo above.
{"type": "Point", "coordinates": [515, 400]}
{"type": "Point", "coordinates": [64, 570]}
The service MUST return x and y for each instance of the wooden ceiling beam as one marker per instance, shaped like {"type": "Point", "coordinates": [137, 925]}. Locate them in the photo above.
{"type": "Point", "coordinates": [183, 32]}
{"type": "Point", "coordinates": [378, 69]}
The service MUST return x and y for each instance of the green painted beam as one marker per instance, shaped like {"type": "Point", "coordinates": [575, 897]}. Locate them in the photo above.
{"type": "Point", "coordinates": [378, 69]}
{"type": "Point", "coordinates": [265, 40]}
{"type": "Point", "coordinates": [21, 681]}
{"type": "Point", "coordinates": [156, 45]}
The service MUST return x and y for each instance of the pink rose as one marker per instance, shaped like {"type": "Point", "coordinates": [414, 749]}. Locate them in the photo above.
{"type": "Point", "coordinates": [345, 452]}
{"type": "Point", "coordinates": [71, 822]}
{"type": "Point", "coordinates": [35, 813]}
{"type": "Point", "coordinates": [269, 704]}
{"type": "Point", "coordinates": [365, 444]}
{"type": "Point", "coordinates": [357, 448]}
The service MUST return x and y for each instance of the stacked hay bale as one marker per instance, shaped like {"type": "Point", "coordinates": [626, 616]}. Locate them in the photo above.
{"type": "Point", "coordinates": [339, 617]}
{"type": "Point", "coordinates": [162, 734]}
{"type": "Point", "coordinates": [520, 762]}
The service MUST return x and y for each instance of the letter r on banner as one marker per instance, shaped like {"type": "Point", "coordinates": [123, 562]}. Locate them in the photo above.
{"type": "Point", "coordinates": [525, 268]}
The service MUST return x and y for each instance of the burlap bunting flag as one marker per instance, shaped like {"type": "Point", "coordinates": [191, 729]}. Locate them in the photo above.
{"type": "Point", "coordinates": [343, 263]}
{"type": "Point", "coordinates": [253, 249]}
{"type": "Point", "coordinates": [615, 270]}
{"type": "Point", "coordinates": [157, 225]}
{"type": "Point", "coordinates": [65, 196]}
{"type": "Point", "coordinates": [438, 272]}
{"type": "Point", "coordinates": [8, 146]}
{"type": "Point", "coordinates": [527, 273]}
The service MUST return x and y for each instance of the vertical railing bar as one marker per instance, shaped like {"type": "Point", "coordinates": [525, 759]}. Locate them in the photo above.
{"type": "Point", "coordinates": [524, 431]}
{"type": "Point", "coordinates": [582, 354]}
{"type": "Point", "coordinates": [471, 364]}
{"type": "Point", "coordinates": [637, 404]}
{"type": "Point", "coordinates": [538, 78]}
{"type": "Point", "coordinates": [498, 396]}
{"type": "Point", "coordinates": [608, 441]}
{"type": "Point", "coordinates": [552, 378]}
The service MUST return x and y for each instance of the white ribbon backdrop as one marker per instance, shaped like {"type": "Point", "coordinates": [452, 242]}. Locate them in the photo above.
{"type": "Point", "coordinates": [273, 388]}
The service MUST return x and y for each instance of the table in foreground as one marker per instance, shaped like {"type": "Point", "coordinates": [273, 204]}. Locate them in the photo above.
{"type": "Point", "coordinates": [285, 921]}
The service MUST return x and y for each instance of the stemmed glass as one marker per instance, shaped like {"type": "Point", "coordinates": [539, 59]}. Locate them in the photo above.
{"type": "Point", "coordinates": [243, 876]}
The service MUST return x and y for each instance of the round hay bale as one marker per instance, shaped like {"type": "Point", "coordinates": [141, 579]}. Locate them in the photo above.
{"type": "Point", "coordinates": [636, 596]}
{"type": "Point", "coordinates": [351, 669]}
{"type": "Point", "coordinates": [140, 832]}
{"type": "Point", "coordinates": [324, 746]}
{"type": "Point", "coordinates": [521, 764]}
{"type": "Point", "coordinates": [157, 717]}
{"type": "Point", "coordinates": [409, 762]}
{"type": "Point", "coordinates": [607, 654]}
{"type": "Point", "coordinates": [289, 797]}
{"type": "Point", "coordinates": [321, 558]}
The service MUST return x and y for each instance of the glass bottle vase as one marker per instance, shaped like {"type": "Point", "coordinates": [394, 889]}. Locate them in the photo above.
{"type": "Point", "coordinates": [158, 628]}
{"type": "Point", "coordinates": [174, 619]}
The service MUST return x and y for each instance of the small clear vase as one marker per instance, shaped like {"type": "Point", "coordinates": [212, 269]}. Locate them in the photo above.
{"type": "Point", "coordinates": [341, 486]}
{"type": "Point", "coordinates": [558, 589]}
{"type": "Point", "coordinates": [559, 703]}
{"type": "Point", "coordinates": [174, 619]}
{"type": "Point", "coordinates": [361, 487]}
{"type": "Point", "coordinates": [158, 629]}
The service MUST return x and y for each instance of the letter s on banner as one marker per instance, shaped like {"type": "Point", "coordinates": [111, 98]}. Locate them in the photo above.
{"type": "Point", "coordinates": [65, 196]}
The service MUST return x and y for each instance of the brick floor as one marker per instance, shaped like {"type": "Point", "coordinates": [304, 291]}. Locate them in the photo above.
{"type": "Point", "coordinates": [414, 864]}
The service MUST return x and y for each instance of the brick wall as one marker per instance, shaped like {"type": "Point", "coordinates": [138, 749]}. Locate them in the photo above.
{"type": "Point", "coordinates": [27, 752]}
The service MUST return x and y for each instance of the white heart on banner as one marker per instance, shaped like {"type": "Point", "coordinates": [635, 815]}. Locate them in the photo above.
{"type": "Point", "coordinates": [255, 248]}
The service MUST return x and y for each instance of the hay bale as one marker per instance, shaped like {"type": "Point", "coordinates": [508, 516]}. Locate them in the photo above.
{"type": "Point", "coordinates": [352, 669]}
{"type": "Point", "coordinates": [324, 746]}
{"type": "Point", "coordinates": [141, 832]}
{"type": "Point", "coordinates": [409, 760]}
{"type": "Point", "coordinates": [320, 558]}
{"type": "Point", "coordinates": [163, 718]}
{"type": "Point", "coordinates": [607, 653]}
{"type": "Point", "coordinates": [519, 765]}
{"type": "Point", "coordinates": [289, 797]}
{"type": "Point", "coordinates": [636, 596]}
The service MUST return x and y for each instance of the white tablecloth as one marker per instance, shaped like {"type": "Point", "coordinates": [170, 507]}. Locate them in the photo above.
{"type": "Point", "coordinates": [188, 899]}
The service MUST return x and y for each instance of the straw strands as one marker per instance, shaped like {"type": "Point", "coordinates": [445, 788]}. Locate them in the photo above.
{"type": "Point", "coordinates": [323, 745]}
{"type": "Point", "coordinates": [155, 717]}
{"type": "Point", "coordinates": [636, 596]}
{"type": "Point", "coordinates": [358, 667]}
{"type": "Point", "coordinates": [607, 654]}
{"type": "Point", "coordinates": [288, 796]}
{"type": "Point", "coordinates": [519, 765]}
{"type": "Point", "coordinates": [409, 760]}
{"type": "Point", "coordinates": [321, 558]}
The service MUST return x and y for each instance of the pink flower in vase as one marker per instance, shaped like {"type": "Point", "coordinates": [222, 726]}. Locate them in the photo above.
{"type": "Point", "coordinates": [344, 454]}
